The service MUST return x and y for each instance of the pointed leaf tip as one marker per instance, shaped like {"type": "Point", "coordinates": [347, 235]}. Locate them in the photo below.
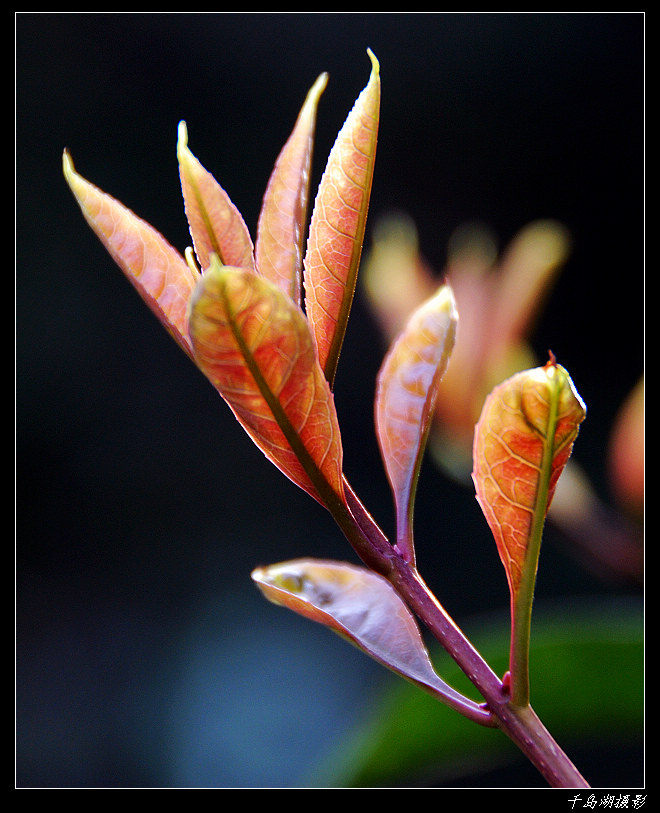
{"type": "Point", "coordinates": [375, 64]}
{"type": "Point", "coordinates": [282, 226]}
{"type": "Point", "coordinates": [157, 270]}
{"type": "Point", "coordinates": [337, 227]}
{"type": "Point", "coordinates": [216, 225]}
{"type": "Point", "coordinates": [182, 136]}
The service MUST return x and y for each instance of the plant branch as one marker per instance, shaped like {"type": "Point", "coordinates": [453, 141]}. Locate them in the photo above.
{"type": "Point", "coordinates": [521, 724]}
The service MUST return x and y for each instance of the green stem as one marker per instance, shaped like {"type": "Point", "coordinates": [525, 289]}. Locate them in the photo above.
{"type": "Point", "coordinates": [522, 601]}
{"type": "Point", "coordinates": [521, 623]}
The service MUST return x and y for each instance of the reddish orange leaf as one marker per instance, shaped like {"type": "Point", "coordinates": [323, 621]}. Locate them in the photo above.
{"type": "Point", "coordinates": [216, 225]}
{"type": "Point", "coordinates": [522, 442]}
{"type": "Point", "coordinates": [363, 607]}
{"type": "Point", "coordinates": [282, 222]}
{"type": "Point", "coordinates": [255, 347]}
{"type": "Point", "coordinates": [154, 267]}
{"type": "Point", "coordinates": [337, 227]}
{"type": "Point", "coordinates": [406, 392]}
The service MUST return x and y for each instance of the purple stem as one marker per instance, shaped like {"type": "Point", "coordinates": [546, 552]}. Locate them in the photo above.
{"type": "Point", "coordinates": [520, 723]}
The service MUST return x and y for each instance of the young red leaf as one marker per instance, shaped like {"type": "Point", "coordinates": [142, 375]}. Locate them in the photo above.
{"type": "Point", "coordinates": [158, 272]}
{"type": "Point", "coordinates": [364, 608]}
{"type": "Point", "coordinates": [406, 391]}
{"type": "Point", "coordinates": [336, 230]}
{"type": "Point", "coordinates": [216, 225]}
{"type": "Point", "coordinates": [282, 221]}
{"type": "Point", "coordinates": [255, 347]}
{"type": "Point", "coordinates": [522, 442]}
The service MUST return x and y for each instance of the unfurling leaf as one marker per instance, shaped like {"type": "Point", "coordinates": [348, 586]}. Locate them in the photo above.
{"type": "Point", "coordinates": [158, 272]}
{"type": "Point", "coordinates": [336, 231]}
{"type": "Point", "coordinates": [362, 607]}
{"type": "Point", "coordinates": [522, 443]}
{"type": "Point", "coordinates": [282, 222]}
{"type": "Point", "coordinates": [406, 392]}
{"type": "Point", "coordinates": [255, 347]}
{"type": "Point", "coordinates": [216, 225]}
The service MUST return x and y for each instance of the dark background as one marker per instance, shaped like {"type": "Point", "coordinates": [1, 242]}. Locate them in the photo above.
{"type": "Point", "coordinates": [145, 656]}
